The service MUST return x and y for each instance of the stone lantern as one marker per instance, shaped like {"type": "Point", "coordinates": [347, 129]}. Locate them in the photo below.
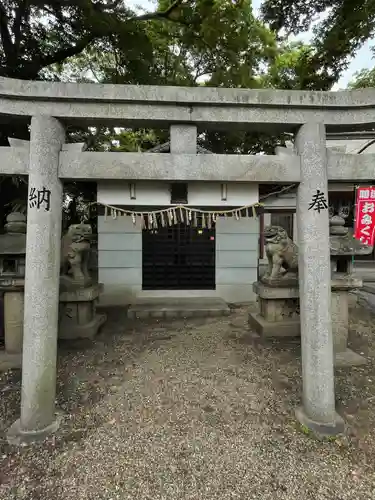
{"type": "Point", "coordinates": [12, 281]}
{"type": "Point", "coordinates": [343, 247]}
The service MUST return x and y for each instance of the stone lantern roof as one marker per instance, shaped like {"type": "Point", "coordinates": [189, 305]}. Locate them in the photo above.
{"type": "Point", "coordinates": [13, 242]}
{"type": "Point", "coordinates": [342, 241]}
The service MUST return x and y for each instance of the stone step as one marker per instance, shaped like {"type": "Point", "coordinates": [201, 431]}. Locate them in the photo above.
{"type": "Point", "coordinates": [177, 308]}
{"type": "Point", "coordinates": [369, 287]}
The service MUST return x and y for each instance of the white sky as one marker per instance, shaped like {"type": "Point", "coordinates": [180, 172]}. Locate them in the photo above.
{"type": "Point", "coordinates": [363, 58]}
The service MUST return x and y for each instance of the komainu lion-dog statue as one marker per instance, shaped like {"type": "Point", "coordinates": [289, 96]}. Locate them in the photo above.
{"type": "Point", "coordinates": [282, 253]}
{"type": "Point", "coordinates": [75, 254]}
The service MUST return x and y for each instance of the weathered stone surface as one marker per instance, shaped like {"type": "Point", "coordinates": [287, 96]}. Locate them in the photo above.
{"type": "Point", "coordinates": [315, 280]}
{"type": "Point", "coordinates": [348, 358]}
{"type": "Point", "coordinates": [152, 307]}
{"type": "Point", "coordinates": [338, 231]}
{"type": "Point", "coordinates": [13, 321]}
{"type": "Point", "coordinates": [75, 255]}
{"type": "Point", "coordinates": [14, 161]}
{"type": "Point", "coordinates": [349, 167]}
{"type": "Point", "coordinates": [288, 280]}
{"type": "Point", "coordinates": [346, 282]}
{"type": "Point", "coordinates": [18, 436]}
{"type": "Point", "coordinates": [208, 107]}
{"type": "Point", "coordinates": [282, 256]}
{"type": "Point", "coordinates": [13, 242]}
{"type": "Point", "coordinates": [279, 315]}
{"type": "Point", "coordinates": [19, 143]}
{"type": "Point", "coordinates": [86, 294]}
{"type": "Point", "coordinates": [278, 311]}
{"type": "Point", "coordinates": [78, 296]}
{"type": "Point", "coordinates": [16, 217]}
{"type": "Point", "coordinates": [183, 139]}
{"type": "Point", "coordinates": [74, 146]}
{"type": "Point", "coordinates": [348, 245]}
{"type": "Point", "coordinates": [42, 283]}
{"type": "Point", "coordinates": [269, 292]}
{"type": "Point", "coordinates": [340, 320]}
{"type": "Point", "coordinates": [14, 284]}
{"type": "Point", "coordinates": [178, 167]}
{"type": "Point", "coordinates": [335, 221]}
{"type": "Point", "coordinates": [269, 329]}
{"type": "Point", "coordinates": [78, 320]}
{"type": "Point", "coordinates": [342, 285]}
{"type": "Point", "coordinates": [322, 428]}
{"type": "Point", "coordinates": [341, 168]}
{"type": "Point", "coordinates": [10, 361]}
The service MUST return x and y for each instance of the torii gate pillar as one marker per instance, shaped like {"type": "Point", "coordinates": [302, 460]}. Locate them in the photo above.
{"type": "Point", "coordinates": [41, 284]}
{"type": "Point", "coordinates": [318, 410]}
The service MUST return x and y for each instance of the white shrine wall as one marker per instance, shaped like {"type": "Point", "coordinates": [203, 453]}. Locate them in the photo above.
{"type": "Point", "coordinates": [120, 241]}
{"type": "Point", "coordinates": [154, 193]}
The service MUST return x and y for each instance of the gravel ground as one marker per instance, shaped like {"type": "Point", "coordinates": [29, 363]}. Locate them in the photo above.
{"type": "Point", "coordinates": [195, 409]}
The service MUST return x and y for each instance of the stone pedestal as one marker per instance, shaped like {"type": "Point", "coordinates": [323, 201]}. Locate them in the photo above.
{"type": "Point", "coordinates": [11, 356]}
{"type": "Point", "coordinates": [341, 286]}
{"type": "Point", "coordinates": [278, 314]}
{"type": "Point", "coordinates": [77, 315]}
{"type": "Point", "coordinates": [12, 285]}
{"type": "Point", "coordinates": [13, 321]}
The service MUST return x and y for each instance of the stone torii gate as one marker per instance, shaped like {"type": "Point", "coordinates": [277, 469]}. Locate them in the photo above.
{"type": "Point", "coordinates": [47, 160]}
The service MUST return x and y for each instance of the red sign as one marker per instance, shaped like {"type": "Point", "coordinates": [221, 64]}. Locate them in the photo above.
{"type": "Point", "coordinates": [364, 228]}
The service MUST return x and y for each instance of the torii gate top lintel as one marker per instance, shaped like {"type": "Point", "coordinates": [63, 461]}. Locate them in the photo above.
{"type": "Point", "coordinates": [207, 107]}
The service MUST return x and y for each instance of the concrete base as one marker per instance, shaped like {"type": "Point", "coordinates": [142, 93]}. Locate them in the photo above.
{"type": "Point", "coordinates": [321, 428]}
{"type": "Point", "coordinates": [17, 437]}
{"type": "Point", "coordinates": [348, 358]}
{"type": "Point", "coordinates": [85, 331]}
{"type": "Point", "coordinates": [177, 308]}
{"type": "Point", "coordinates": [287, 328]}
{"type": "Point", "coordinates": [10, 361]}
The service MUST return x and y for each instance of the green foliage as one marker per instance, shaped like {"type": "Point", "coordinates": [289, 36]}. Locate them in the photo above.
{"type": "Point", "coordinates": [36, 34]}
{"type": "Point", "coordinates": [185, 42]}
{"type": "Point", "coordinates": [217, 44]}
{"type": "Point", "coordinates": [305, 430]}
{"type": "Point", "coordinates": [345, 26]}
{"type": "Point", "coordinates": [219, 41]}
{"type": "Point", "coordinates": [292, 69]}
{"type": "Point", "coordinates": [138, 140]}
{"type": "Point", "coordinates": [363, 79]}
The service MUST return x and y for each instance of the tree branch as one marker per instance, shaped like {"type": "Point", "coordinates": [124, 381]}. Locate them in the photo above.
{"type": "Point", "coordinates": [93, 71]}
{"type": "Point", "coordinates": [6, 39]}
{"type": "Point", "coordinates": [166, 14]}
{"type": "Point", "coordinates": [62, 54]}
{"type": "Point", "coordinates": [20, 14]}
{"type": "Point", "coordinates": [30, 69]}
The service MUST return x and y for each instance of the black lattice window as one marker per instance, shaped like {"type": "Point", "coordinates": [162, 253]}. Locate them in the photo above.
{"type": "Point", "coordinates": [179, 257]}
{"type": "Point", "coordinates": [179, 193]}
